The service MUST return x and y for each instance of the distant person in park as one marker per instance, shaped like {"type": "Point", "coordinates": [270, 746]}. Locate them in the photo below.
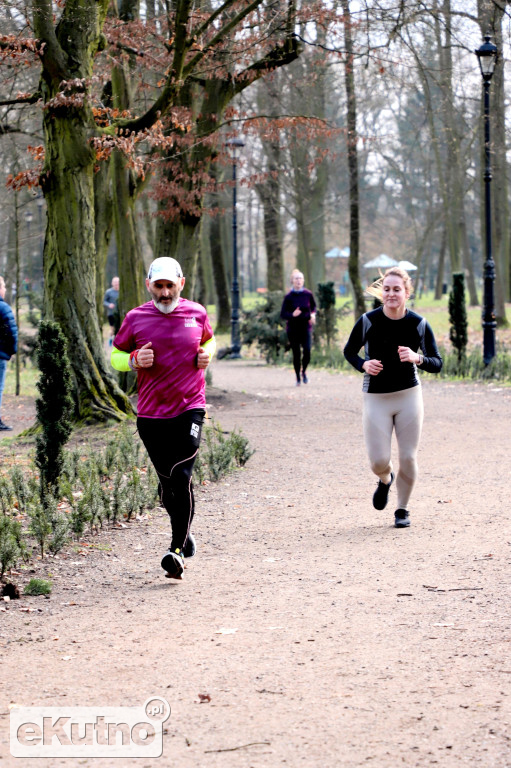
{"type": "Point", "coordinates": [8, 343]}
{"type": "Point", "coordinates": [169, 343]}
{"type": "Point", "coordinates": [392, 336]}
{"type": "Point", "coordinates": [299, 310]}
{"type": "Point", "coordinates": [110, 301]}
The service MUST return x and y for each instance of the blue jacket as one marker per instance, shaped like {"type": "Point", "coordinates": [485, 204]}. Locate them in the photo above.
{"type": "Point", "coordinates": [8, 332]}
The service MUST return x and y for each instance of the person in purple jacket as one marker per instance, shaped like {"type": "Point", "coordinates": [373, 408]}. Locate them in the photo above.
{"type": "Point", "coordinates": [299, 310]}
{"type": "Point", "coordinates": [169, 343]}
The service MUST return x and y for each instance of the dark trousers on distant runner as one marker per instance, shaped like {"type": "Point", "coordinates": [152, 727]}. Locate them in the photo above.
{"type": "Point", "coordinates": [172, 445]}
{"type": "Point", "coordinates": [300, 338]}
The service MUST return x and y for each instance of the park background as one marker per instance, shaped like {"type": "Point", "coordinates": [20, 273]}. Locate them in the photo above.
{"type": "Point", "coordinates": [305, 632]}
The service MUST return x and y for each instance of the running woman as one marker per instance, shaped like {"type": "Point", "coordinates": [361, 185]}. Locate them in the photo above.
{"type": "Point", "coordinates": [299, 309]}
{"type": "Point", "coordinates": [169, 343]}
{"type": "Point", "coordinates": [392, 336]}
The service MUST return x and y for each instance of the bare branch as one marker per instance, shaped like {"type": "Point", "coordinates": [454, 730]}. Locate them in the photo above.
{"type": "Point", "coordinates": [221, 35]}
{"type": "Point", "coordinates": [26, 99]}
{"type": "Point", "coordinates": [53, 57]}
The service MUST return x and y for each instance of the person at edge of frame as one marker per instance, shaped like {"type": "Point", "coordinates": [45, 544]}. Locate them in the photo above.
{"type": "Point", "coordinates": [8, 343]}
{"type": "Point", "coordinates": [169, 343]}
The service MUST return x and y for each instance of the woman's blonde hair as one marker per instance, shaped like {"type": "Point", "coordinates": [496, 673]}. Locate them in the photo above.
{"type": "Point", "coordinates": [296, 272]}
{"type": "Point", "coordinates": [376, 288]}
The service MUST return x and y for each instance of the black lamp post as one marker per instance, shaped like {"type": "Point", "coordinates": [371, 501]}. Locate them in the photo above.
{"type": "Point", "coordinates": [487, 56]}
{"type": "Point", "coordinates": [234, 147]}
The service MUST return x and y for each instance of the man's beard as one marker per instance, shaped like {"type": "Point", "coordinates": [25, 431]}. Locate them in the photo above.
{"type": "Point", "coordinates": [166, 308]}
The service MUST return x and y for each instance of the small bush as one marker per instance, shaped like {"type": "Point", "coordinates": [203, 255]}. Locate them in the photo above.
{"type": "Point", "coordinates": [263, 326]}
{"type": "Point", "coordinates": [6, 497]}
{"type": "Point", "coordinates": [458, 333]}
{"type": "Point", "coordinates": [241, 449]}
{"type": "Point", "coordinates": [10, 543]}
{"type": "Point", "coordinates": [20, 488]}
{"type": "Point", "coordinates": [38, 587]}
{"type": "Point", "coordinates": [54, 406]}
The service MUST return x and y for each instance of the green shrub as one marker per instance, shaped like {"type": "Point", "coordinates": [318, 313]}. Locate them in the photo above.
{"type": "Point", "coordinates": [6, 497]}
{"type": "Point", "coordinates": [263, 326]}
{"type": "Point", "coordinates": [38, 587]}
{"type": "Point", "coordinates": [458, 333]}
{"type": "Point", "coordinates": [241, 449]}
{"type": "Point", "coordinates": [40, 523]}
{"type": "Point", "coordinates": [10, 543]}
{"type": "Point", "coordinates": [54, 406]}
{"type": "Point", "coordinates": [20, 488]}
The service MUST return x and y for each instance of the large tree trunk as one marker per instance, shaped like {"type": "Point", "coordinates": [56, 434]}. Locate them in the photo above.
{"type": "Point", "coordinates": [351, 140]}
{"type": "Point", "coordinates": [67, 181]}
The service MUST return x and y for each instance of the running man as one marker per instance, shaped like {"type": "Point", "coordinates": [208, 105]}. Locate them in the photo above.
{"type": "Point", "coordinates": [169, 343]}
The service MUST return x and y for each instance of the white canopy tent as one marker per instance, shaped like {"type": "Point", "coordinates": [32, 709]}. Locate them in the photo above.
{"type": "Point", "coordinates": [381, 262]}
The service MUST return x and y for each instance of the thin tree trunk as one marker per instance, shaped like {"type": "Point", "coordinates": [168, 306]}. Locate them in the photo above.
{"type": "Point", "coordinates": [439, 285]}
{"type": "Point", "coordinates": [223, 302]}
{"type": "Point", "coordinates": [270, 198]}
{"type": "Point", "coordinates": [351, 139]}
{"type": "Point", "coordinates": [103, 220]}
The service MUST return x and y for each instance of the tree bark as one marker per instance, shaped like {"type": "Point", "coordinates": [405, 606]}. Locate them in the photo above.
{"type": "Point", "coordinates": [103, 224]}
{"type": "Point", "coordinates": [269, 193]}
{"type": "Point", "coordinates": [351, 141]}
{"type": "Point", "coordinates": [68, 185]}
{"type": "Point", "coordinates": [223, 302]}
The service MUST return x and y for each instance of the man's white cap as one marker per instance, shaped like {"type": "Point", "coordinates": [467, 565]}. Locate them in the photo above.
{"type": "Point", "coordinates": [164, 268]}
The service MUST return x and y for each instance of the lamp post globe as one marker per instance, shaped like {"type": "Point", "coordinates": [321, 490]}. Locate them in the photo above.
{"type": "Point", "coordinates": [234, 147]}
{"type": "Point", "coordinates": [487, 56]}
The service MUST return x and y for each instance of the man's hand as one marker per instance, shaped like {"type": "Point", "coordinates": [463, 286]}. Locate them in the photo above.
{"type": "Point", "coordinates": [372, 367]}
{"type": "Point", "coordinates": [145, 356]}
{"type": "Point", "coordinates": [202, 359]}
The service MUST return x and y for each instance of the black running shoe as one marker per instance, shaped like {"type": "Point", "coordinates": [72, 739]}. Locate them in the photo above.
{"type": "Point", "coordinates": [381, 494]}
{"type": "Point", "coordinates": [190, 547]}
{"type": "Point", "coordinates": [304, 378]}
{"type": "Point", "coordinates": [173, 562]}
{"type": "Point", "coordinates": [401, 518]}
{"type": "Point", "coordinates": [4, 427]}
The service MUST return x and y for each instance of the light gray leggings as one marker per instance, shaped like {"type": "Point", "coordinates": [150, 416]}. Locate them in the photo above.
{"type": "Point", "coordinates": [404, 412]}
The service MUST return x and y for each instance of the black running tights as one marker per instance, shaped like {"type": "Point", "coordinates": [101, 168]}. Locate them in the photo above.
{"type": "Point", "coordinates": [172, 445]}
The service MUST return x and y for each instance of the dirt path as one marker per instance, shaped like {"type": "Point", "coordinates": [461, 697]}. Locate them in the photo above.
{"type": "Point", "coordinates": [350, 643]}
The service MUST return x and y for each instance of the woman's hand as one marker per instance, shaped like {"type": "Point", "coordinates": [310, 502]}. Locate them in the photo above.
{"type": "Point", "coordinates": [372, 367]}
{"type": "Point", "coordinates": [297, 312]}
{"type": "Point", "coordinates": [407, 355]}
